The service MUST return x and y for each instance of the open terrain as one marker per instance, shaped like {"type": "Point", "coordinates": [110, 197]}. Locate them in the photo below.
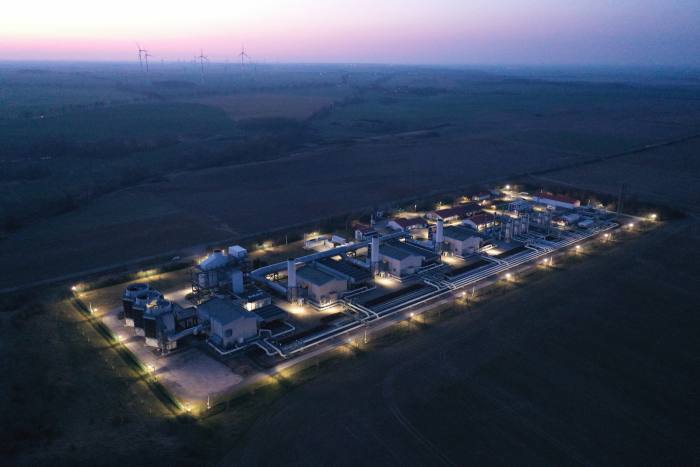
{"type": "Point", "coordinates": [594, 363]}
{"type": "Point", "coordinates": [117, 182]}
{"type": "Point", "coordinates": [544, 373]}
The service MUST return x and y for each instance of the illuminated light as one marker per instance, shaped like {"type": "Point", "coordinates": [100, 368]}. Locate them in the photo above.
{"type": "Point", "coordinates": [150, 368]}
{"type": "Point", "coordinates": [411, 314]}
{"type": "Point", "coordinates": [74, 288]}
{"type": "Point", "coordinates": [508, 276]}
{"type": "Point", "coordinates": [630, 225]}
{"type": "Point", "coordinates": [120, 338]}
{"type": "Point", "coordinates": [507, 187]}
{"type": "Point", "coordinates": [652, 217]}
{"type": "Point", "coordinates": [578, 247]}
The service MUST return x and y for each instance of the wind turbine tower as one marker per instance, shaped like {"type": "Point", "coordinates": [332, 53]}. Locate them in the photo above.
{"type": "Point", "coordinates": [145, 56]}
{"type": "Point", "coordinates": [202, 58]}
{"type": "Point", "coordinates": [141, 51]}
{"type": "Point", "coordinates": [243, 56]}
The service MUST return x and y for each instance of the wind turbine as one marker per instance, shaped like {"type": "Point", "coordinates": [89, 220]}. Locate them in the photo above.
{"type": "Point", "coordinates": [141, 51]}
{"type": "Point", "coordinates": [146, 55]}
{"type": "Point", "coordinates": [202, 58]}
{"type": "Point", "coordinates": [243, 56]}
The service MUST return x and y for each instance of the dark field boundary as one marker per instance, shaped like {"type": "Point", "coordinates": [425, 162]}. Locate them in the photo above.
{"type": "Point", "coordinates": [161, 258]}
{"type": "Point", "coordinates": [508, 350]}
{"type": "Point", "coordinates": [160, 391]}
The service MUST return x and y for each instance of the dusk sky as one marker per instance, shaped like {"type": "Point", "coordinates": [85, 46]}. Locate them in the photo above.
{"type": "Point", "coordinates": [626, 32]}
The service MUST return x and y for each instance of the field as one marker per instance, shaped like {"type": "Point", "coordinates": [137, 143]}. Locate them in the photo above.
{"type": "Point", "coordinates": [592, 364]}
{"type": "Point", "coordinates": [529, 375]}
{"type": "Point", "coordinates": [268, 105]}
{"type": "Point", "coordinates": [543, 375]}
{"type": "Point", "coordinates": [108, 183]}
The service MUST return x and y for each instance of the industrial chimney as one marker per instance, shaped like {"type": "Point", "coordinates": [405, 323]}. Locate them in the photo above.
{"type": "Point", "coordinates": [291, 280]}
{"type": "Point", "coordinates": [374, 258]}
{"type": "Point", "coordinates": [439, 235]}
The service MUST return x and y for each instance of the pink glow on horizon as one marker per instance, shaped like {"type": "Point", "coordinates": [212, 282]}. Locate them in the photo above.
{"type": "Point", "coordinates": [396, 31]}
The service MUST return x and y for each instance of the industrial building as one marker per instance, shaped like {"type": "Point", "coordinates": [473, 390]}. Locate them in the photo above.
{"type": "Point", "coordinates": [480, 222]}
{"type": "Point", "coordinates": [387, 268]}
{"type": "Point", "coordinates": [320, 285]}
{"type": "Point", "coordinates": [462, 241]}
{"type": "Point", "coordinates": [221, 271]}
{"type": "Point", "coordinates": [407, 224]}
{"type": "Point", "coordinates": [455, 213]}
{"type": "Point", "coordinates": [401, 259]}
{"type": "Point", "coordinates": [557, 201]}
{"type": "Point", "coordinates": [364, 232]}
{"type": "Point", "coordinates": [230, 323]}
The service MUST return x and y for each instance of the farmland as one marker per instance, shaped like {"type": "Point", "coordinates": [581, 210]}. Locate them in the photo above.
{"type": "Point", "coordinates": [199, 161]}
{"type": "Point", "coordinates": [591, 362]}
{"type": "Point", "coordinates": [268, 105]}
{"type": "Point", "coordinates": [526, 375]}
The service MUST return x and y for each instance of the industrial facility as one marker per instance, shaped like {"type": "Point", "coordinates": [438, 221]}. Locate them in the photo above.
{"type": "Point", "coordinates": [396, 263]}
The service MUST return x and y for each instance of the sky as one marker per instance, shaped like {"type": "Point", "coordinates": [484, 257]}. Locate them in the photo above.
{"type": "Point", "coordinates": [492, 32]}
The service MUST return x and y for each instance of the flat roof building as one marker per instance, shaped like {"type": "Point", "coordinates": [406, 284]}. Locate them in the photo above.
{"type": "Point", "coordinates": [403, 259]}
{"type": "Point", "coordinates": [230, 323]}
{"type": "Point", "coordinates": [462, 241]}
{"type": "Point", "coordinates": [322, 286]}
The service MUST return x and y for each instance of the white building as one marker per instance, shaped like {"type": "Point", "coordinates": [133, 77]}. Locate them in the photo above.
{"type": "Point", "coordinates": [407, 224]}
{"type": "Point", "coordinates": [402, 259]}
{"type": "Point", "coordinates": [230, 323]}
{"type": "Point", "coordinates": [557, 201]}
{"type": "Point", "coordinates": [322, 286]}
{"type": "Point", "coordinates": [480, 222]}
{"type": "Point", "coordinates": [399, 262]}
{"type": "Point", "coordinates": [462, 241]}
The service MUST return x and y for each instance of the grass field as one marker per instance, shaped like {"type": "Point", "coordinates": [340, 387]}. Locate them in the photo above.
{"type": "Point", "coordinates": [594, 363]}
{"type": "Point", "coordinates": [269, 105]}
{"type": "Point", "coordinates": [529, 375]}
